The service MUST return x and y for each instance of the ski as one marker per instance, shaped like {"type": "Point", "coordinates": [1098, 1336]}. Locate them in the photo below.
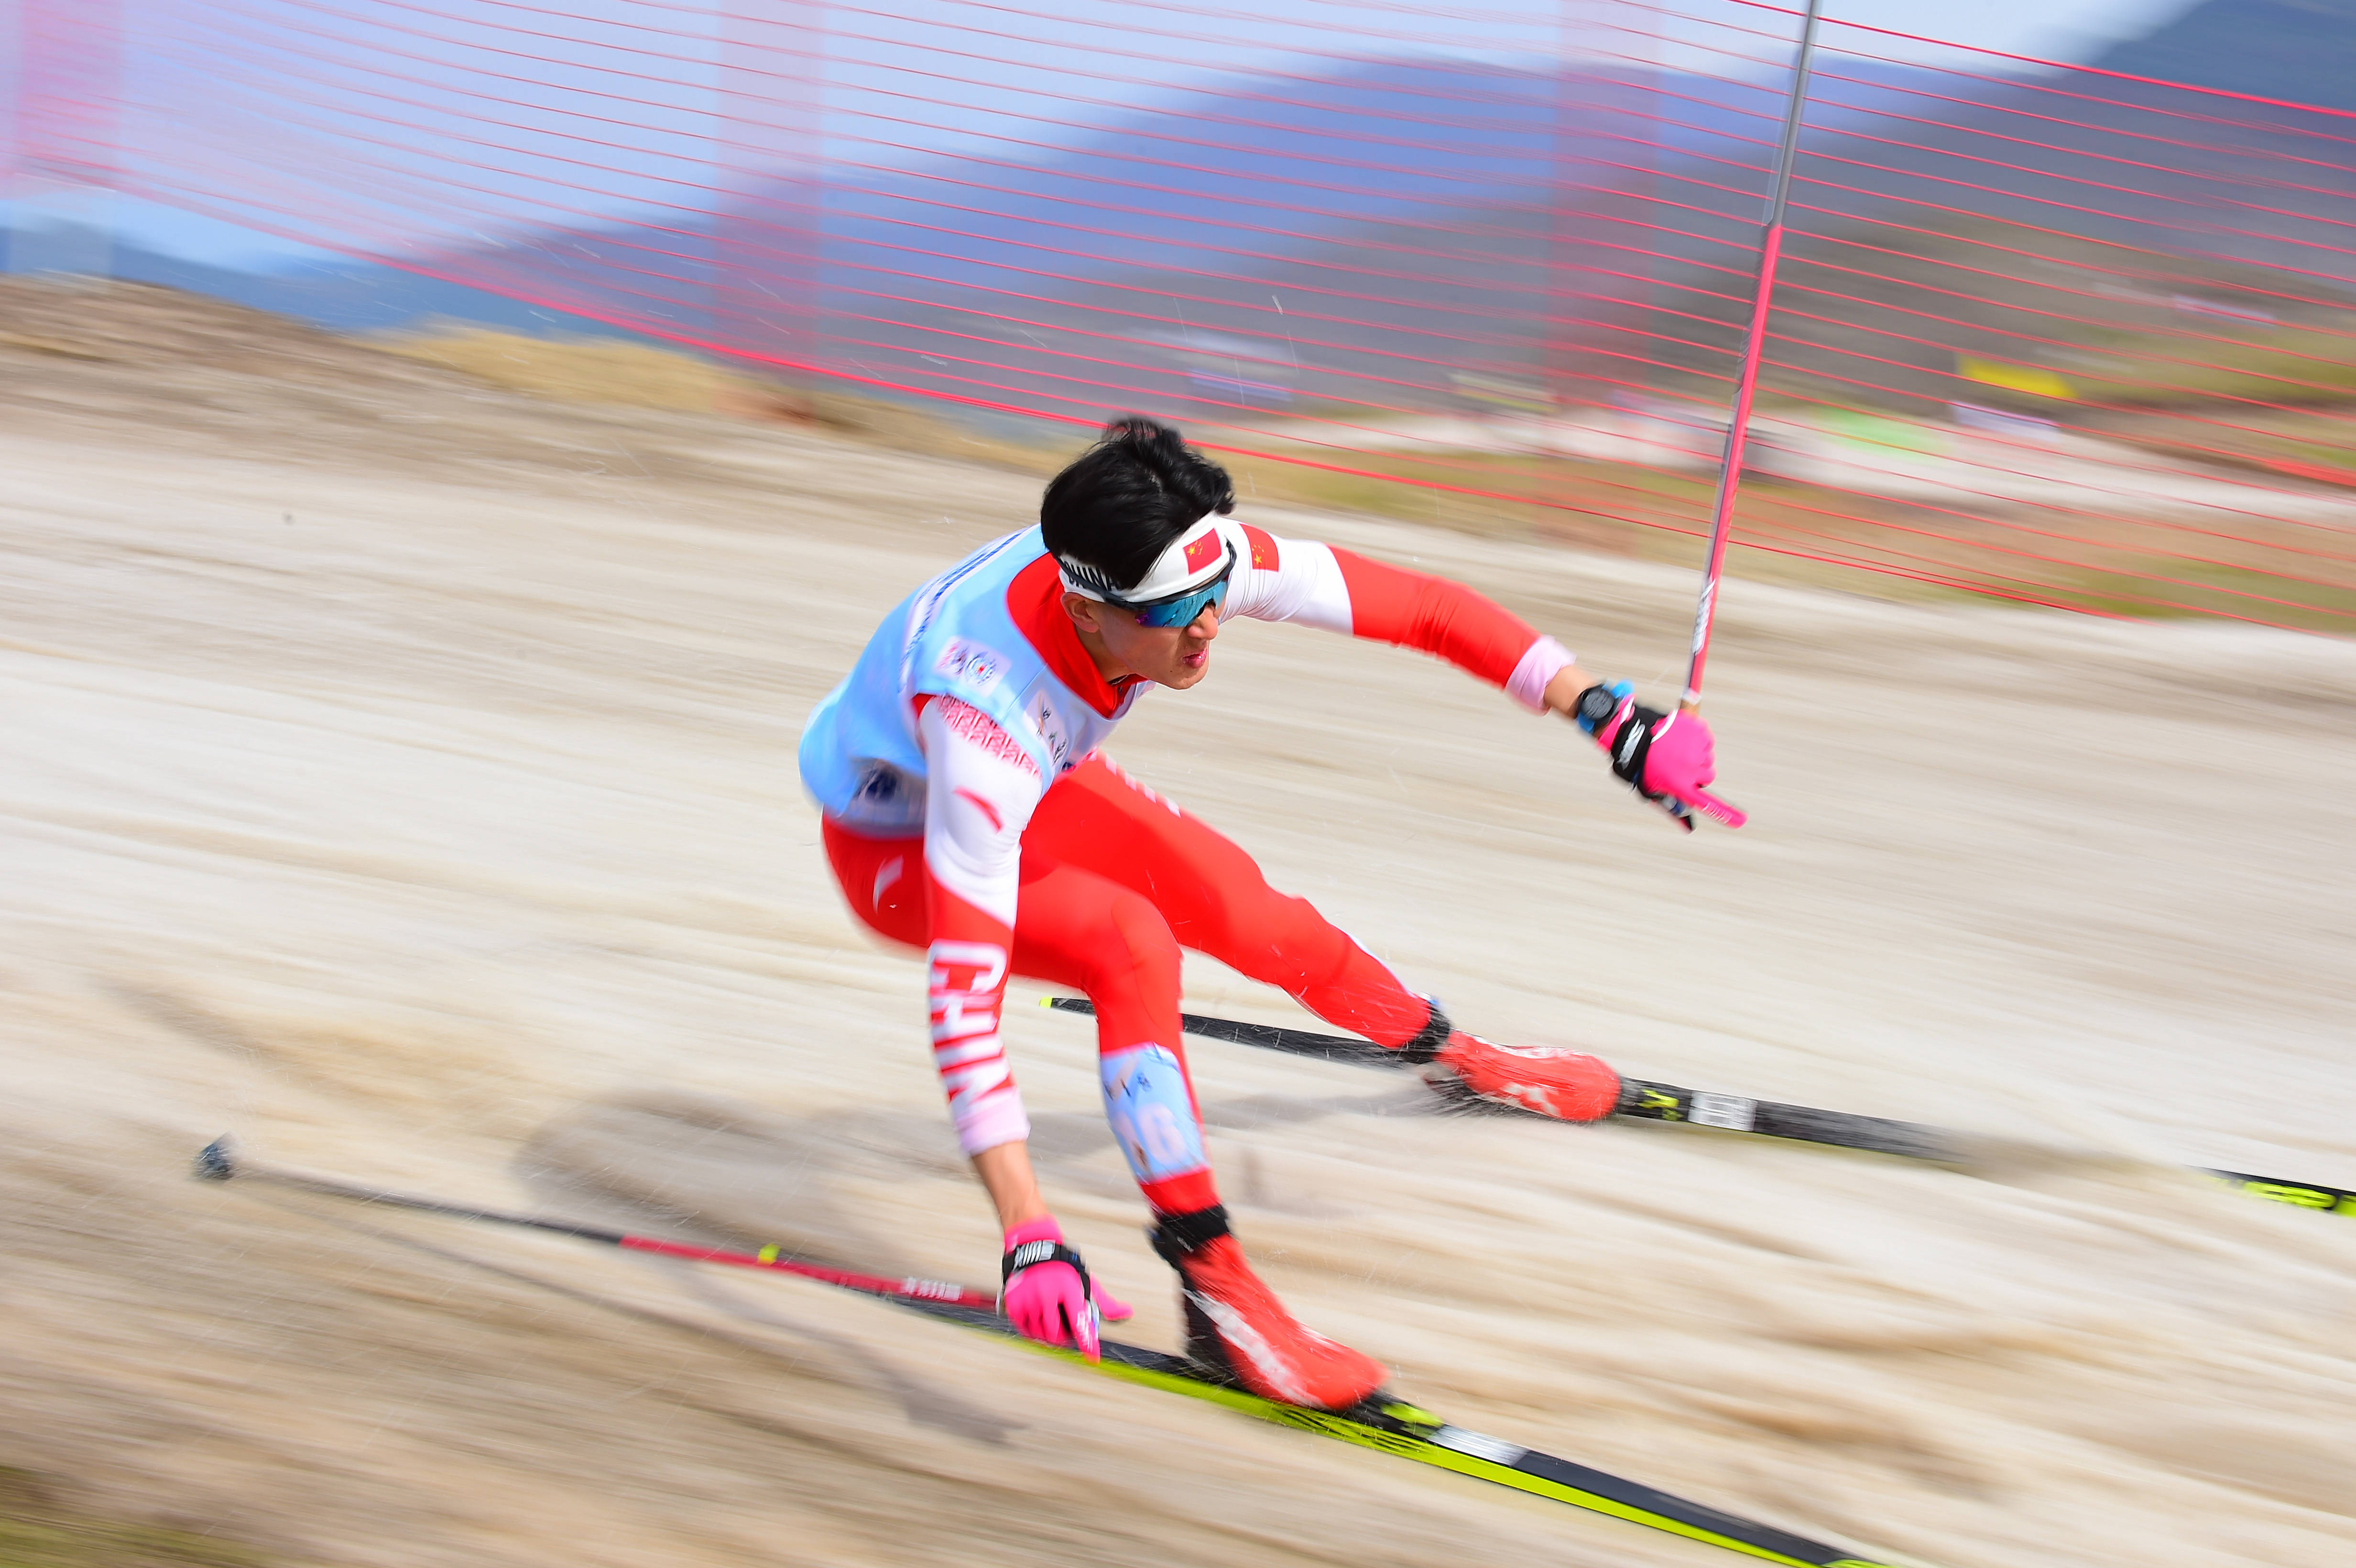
{"type": "Point", "coordinates": [1641, 1101]}
{"type": "Point", "coordinates": [1384, 1423]}
{"type": "Point", "coordinates": [1410, 1433]}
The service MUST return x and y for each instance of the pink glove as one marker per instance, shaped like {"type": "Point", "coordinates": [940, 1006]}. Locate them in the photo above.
{"type": "Point", "coordinates": [1665, 757]}
{"type": "Point", "coordinates": [1680, 761]}
{"type": "Point", "coordinates": [1047, 1294]}
{"type": "Point", "coordinates": [1108, 1308]}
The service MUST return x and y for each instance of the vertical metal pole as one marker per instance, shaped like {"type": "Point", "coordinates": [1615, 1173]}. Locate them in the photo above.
{"type": "Point", "coordinates": [1771, 249]}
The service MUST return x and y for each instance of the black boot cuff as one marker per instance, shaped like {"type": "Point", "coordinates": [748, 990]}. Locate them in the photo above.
{"type": "Point", "coordinates": [1175, 1235]}
{"type": "Point", "coordinates": [1427, 1043]}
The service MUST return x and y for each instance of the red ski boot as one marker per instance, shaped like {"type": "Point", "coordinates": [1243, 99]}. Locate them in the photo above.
{"type": "Point", "coordinates": [1569, 1085]}
{"type": "Point", "coordinates": [1235, 1326]}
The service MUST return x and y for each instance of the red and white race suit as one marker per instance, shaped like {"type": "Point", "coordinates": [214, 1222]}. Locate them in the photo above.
{"type": "Point", "coordinates": [1037, 856]}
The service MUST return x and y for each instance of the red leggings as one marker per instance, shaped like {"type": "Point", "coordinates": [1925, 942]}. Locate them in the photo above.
{"type": "Point", "coordinates": [1115, 881]}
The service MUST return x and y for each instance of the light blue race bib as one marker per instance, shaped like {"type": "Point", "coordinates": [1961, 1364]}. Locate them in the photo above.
{"type": "Point", "coordinates": [1151, 1114]}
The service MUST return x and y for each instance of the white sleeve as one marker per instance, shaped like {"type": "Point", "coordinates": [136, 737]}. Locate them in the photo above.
{"type": "Point", "coordinates": [1288, 580]}
{"type": "Point", "coordinates": [1316, 585]}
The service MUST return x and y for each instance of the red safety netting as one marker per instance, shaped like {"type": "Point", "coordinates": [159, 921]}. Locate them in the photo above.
{"type": "Point", "coordinates": [2049, 333]}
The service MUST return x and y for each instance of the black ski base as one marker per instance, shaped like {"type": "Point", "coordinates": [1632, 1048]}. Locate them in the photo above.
{"type": "Point", "coordinates": [1638, 1100]}
{"type": "Point", "coordinates": [1768, 1118]}
{"type": "Point", "coordinates": [1646, 1101]}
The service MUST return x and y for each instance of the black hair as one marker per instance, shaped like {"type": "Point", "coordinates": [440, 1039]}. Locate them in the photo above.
{"type": "Point", "coordinates": [1119, 505]}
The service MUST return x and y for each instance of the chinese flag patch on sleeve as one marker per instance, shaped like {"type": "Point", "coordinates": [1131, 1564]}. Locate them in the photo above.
{"type": "Point", "coordinates": [1263, 550]}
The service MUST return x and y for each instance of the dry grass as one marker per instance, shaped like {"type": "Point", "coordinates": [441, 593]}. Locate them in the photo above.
{"type": "Point", "coordinates": [577, 369]}
{"type": "Point", "coordinates": [38, 1530]}
{"type": "Point", "coordinates": [1786, 533]}
{"type": "Point", "coordinates": [639, 375]}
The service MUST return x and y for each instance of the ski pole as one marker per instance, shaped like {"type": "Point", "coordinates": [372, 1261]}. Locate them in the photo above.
{"type": "Point", "coordinates": [1738, 431]}
{"type": "Point", "coordinates": [217, 1162]}
{"type": "Point", "coordinates": [1380, 1421]}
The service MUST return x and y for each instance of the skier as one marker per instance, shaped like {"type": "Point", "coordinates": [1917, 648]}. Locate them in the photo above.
{"type": "Point", "coordinates": [968, 812]}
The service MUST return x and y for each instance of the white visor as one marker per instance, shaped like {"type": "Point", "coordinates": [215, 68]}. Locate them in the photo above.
{"type": "Point", "coordinates": [1194, 558]}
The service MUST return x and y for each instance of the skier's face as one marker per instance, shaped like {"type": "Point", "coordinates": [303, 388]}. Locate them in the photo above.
{"type": "Point", "coordinates": [1174, 656]}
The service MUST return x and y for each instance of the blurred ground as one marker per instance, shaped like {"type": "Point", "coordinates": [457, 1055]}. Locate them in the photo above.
{"type": "Point", "coordinates": [399, 776]}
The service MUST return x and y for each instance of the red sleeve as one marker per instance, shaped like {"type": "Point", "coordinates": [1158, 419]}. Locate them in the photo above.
{"type": "Point", "coordinates": [1435, 616]}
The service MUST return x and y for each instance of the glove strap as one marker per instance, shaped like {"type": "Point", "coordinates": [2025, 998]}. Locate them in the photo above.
{"type": "Point", "coordinates": [1030, 1254]}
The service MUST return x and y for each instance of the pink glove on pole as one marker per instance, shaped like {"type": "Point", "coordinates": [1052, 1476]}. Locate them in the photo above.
{"type": "Point", "coordinates": [1047, 1294]}
{"type": "Point", "coordinates": [1680, 761]}
{"type": "Point", "coordinates": [1667, 758]}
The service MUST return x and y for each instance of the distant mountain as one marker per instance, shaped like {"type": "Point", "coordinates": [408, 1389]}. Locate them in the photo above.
{"type": "Point", "coordinates": [952, 272]}
{"type": "Point", "coordinates": [1379, 235]}
{"type": "Point", "coordinates": [1252, 242]}
{"type": "Point", "coordinates": [1395, 232]}
{"type": "Point", "coordinates": [2302, 51]}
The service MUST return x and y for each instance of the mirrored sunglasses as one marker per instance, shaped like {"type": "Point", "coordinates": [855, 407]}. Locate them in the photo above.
{"type": "Point", "coordinates": [1181, 610]}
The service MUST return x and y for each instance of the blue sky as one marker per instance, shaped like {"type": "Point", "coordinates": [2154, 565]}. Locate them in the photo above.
{"type": "Point", "coordinates": [224, 105]}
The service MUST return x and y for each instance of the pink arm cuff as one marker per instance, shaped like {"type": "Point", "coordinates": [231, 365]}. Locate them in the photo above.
{"type": "Point", "coordinates": [1545, 659]}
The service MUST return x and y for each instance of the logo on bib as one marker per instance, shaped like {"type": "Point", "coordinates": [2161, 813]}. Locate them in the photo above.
{"type": "Point", "coordinates": [978, 668]}
{"type": "Point", "coordinates": [1040, 709]}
